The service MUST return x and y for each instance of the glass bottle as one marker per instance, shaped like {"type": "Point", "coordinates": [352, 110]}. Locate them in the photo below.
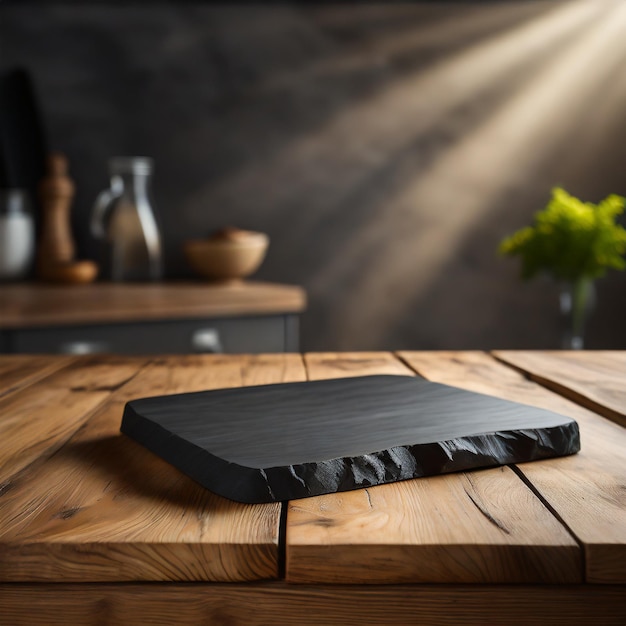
{"type": "Point", "coordinates": [124, 219]}
{"type": "Point", "coordinates": [17, 234]}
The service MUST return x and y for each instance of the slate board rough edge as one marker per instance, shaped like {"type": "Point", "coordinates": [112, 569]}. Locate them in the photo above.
{"type": "Point", "coordinates": [255, 486]}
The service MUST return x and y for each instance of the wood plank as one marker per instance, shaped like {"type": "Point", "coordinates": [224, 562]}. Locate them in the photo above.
{"type": "Point", "coordinates": [321, 365]}
{"type": "Point", "coordinates": [595, 379]}
{"type": "Point", "coordinates": [36, 420]}
{"type": "Point", "coordinates": [281, 604]}
{"type": "Point", "coordinates": [103, 508]}
{"type": "Point", "coordinates": [20, 370]}
{"type": "Point", "coordinates": [586, 490]}
{"type": "Point", "coordinates": [484, 526]}
{"type": "Point", "coordinates": [24, 305]}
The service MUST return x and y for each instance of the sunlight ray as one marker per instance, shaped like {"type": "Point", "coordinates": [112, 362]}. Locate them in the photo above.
{"type": "Point", "coordinates": [360, 138]}
{"type": "Point", "coordinates": [427, 220]}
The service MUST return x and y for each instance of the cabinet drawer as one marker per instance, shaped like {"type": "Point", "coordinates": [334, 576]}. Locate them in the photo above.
{"type": "Point", "coordinates": [276, 333]}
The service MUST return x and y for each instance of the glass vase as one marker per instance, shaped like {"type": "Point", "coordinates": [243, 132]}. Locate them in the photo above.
{"type": "Point", "coordinates": [577, 300]}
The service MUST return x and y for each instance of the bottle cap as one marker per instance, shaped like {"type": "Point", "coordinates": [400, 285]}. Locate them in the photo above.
{"type": "Point", "coordinates": [131, 165]}
{"type": "Point", "coordinates": [14, 201]}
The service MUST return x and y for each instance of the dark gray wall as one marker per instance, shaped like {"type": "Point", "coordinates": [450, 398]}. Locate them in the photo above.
{"type": "Point", "coordinates": [386, 149]}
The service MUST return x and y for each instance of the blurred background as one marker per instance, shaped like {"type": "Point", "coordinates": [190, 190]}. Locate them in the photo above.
{"type": "Point", "coordinates": [385, 148]}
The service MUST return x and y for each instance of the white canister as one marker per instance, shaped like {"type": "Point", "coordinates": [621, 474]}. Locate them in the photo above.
{"type": "Point", "coordinates": [17, 234]}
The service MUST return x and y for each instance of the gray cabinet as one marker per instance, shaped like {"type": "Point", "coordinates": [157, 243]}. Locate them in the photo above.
{"type": "Point", "coordinates": [251, 334]}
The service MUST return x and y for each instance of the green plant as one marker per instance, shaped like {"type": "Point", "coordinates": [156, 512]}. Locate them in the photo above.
{"type": "Point", "coordinates": [576, 242]}
{"type": "Point", "coordinates": [570, 239]}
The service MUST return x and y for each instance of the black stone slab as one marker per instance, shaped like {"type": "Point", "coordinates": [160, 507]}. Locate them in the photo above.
{"type": "Point", "coordinates": [292, 440]}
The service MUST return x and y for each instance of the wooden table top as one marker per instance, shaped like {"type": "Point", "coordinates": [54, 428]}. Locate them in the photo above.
{"type": "Point", "coordinates": [25, 305]}
{"type": "Point", "coordinates": [86, 508]}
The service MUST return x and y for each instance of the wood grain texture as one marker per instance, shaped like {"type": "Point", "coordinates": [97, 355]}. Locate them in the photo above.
{"type": "Point", "coordinates": [595, 379]}
{"type": "Point", "coordinates": [586, 490]}
{"type": "Point", "coordinates": [38, 418]}
{"type": "Point", "coordinates": [281, 604]}
{"type": "Point", "coordinates": [19, 370]}
{"type": "Point", "coordinates": [486, 526]}
{"type": "Point", "coordinates": [103, 508]}
{"type": "Point", "coordinates": [24, 305]}
{"type": "Point", "coordinates": [323, 365]}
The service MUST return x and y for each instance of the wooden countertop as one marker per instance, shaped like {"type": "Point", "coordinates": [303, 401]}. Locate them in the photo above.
{"type": "Point", "coordinates": [39, 304]}
{"type": "Point", "coordinates": [95, 529]}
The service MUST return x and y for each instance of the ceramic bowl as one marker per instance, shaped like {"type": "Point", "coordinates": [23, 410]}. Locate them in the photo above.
{"type": "Point", "coordinates": [230, 254]}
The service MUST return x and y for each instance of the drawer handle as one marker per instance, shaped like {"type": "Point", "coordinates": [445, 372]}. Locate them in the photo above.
{"type": "Point", "coordinates": [83, 347]}
{"type": "Point", "coordinates": [207, 340]}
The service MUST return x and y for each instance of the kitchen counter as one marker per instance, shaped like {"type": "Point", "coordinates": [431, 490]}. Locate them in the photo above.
{"type": "Point", "coordinates": [94, 529]}
{"type": "Point", "coordinates": [175, 317]}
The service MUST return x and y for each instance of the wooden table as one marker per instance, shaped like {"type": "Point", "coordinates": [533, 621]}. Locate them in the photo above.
{"type": "Point", "coordinates": [94, 529]}
{"type": "Point", "coordinates": [137, 318]}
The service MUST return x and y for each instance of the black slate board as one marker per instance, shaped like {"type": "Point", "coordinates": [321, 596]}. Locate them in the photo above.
{"type": "Point", "coordinates": [281, 442]}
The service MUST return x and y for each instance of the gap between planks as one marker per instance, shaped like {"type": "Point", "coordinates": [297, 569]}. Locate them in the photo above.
{"type": "Point", "coordinates": [520, 474]}
{"type": "Point", "coordinates": [595, 476]}
{"type": "Point", "coordinates": [241, 532]}
{"type": "Point", "coordinates": [338, 365]}
{"type": "Point", "coordinates": [562, 389]}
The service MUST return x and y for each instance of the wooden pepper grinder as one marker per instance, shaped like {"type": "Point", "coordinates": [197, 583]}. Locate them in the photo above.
{"type": "Point", "coordinates": [55, 257]}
